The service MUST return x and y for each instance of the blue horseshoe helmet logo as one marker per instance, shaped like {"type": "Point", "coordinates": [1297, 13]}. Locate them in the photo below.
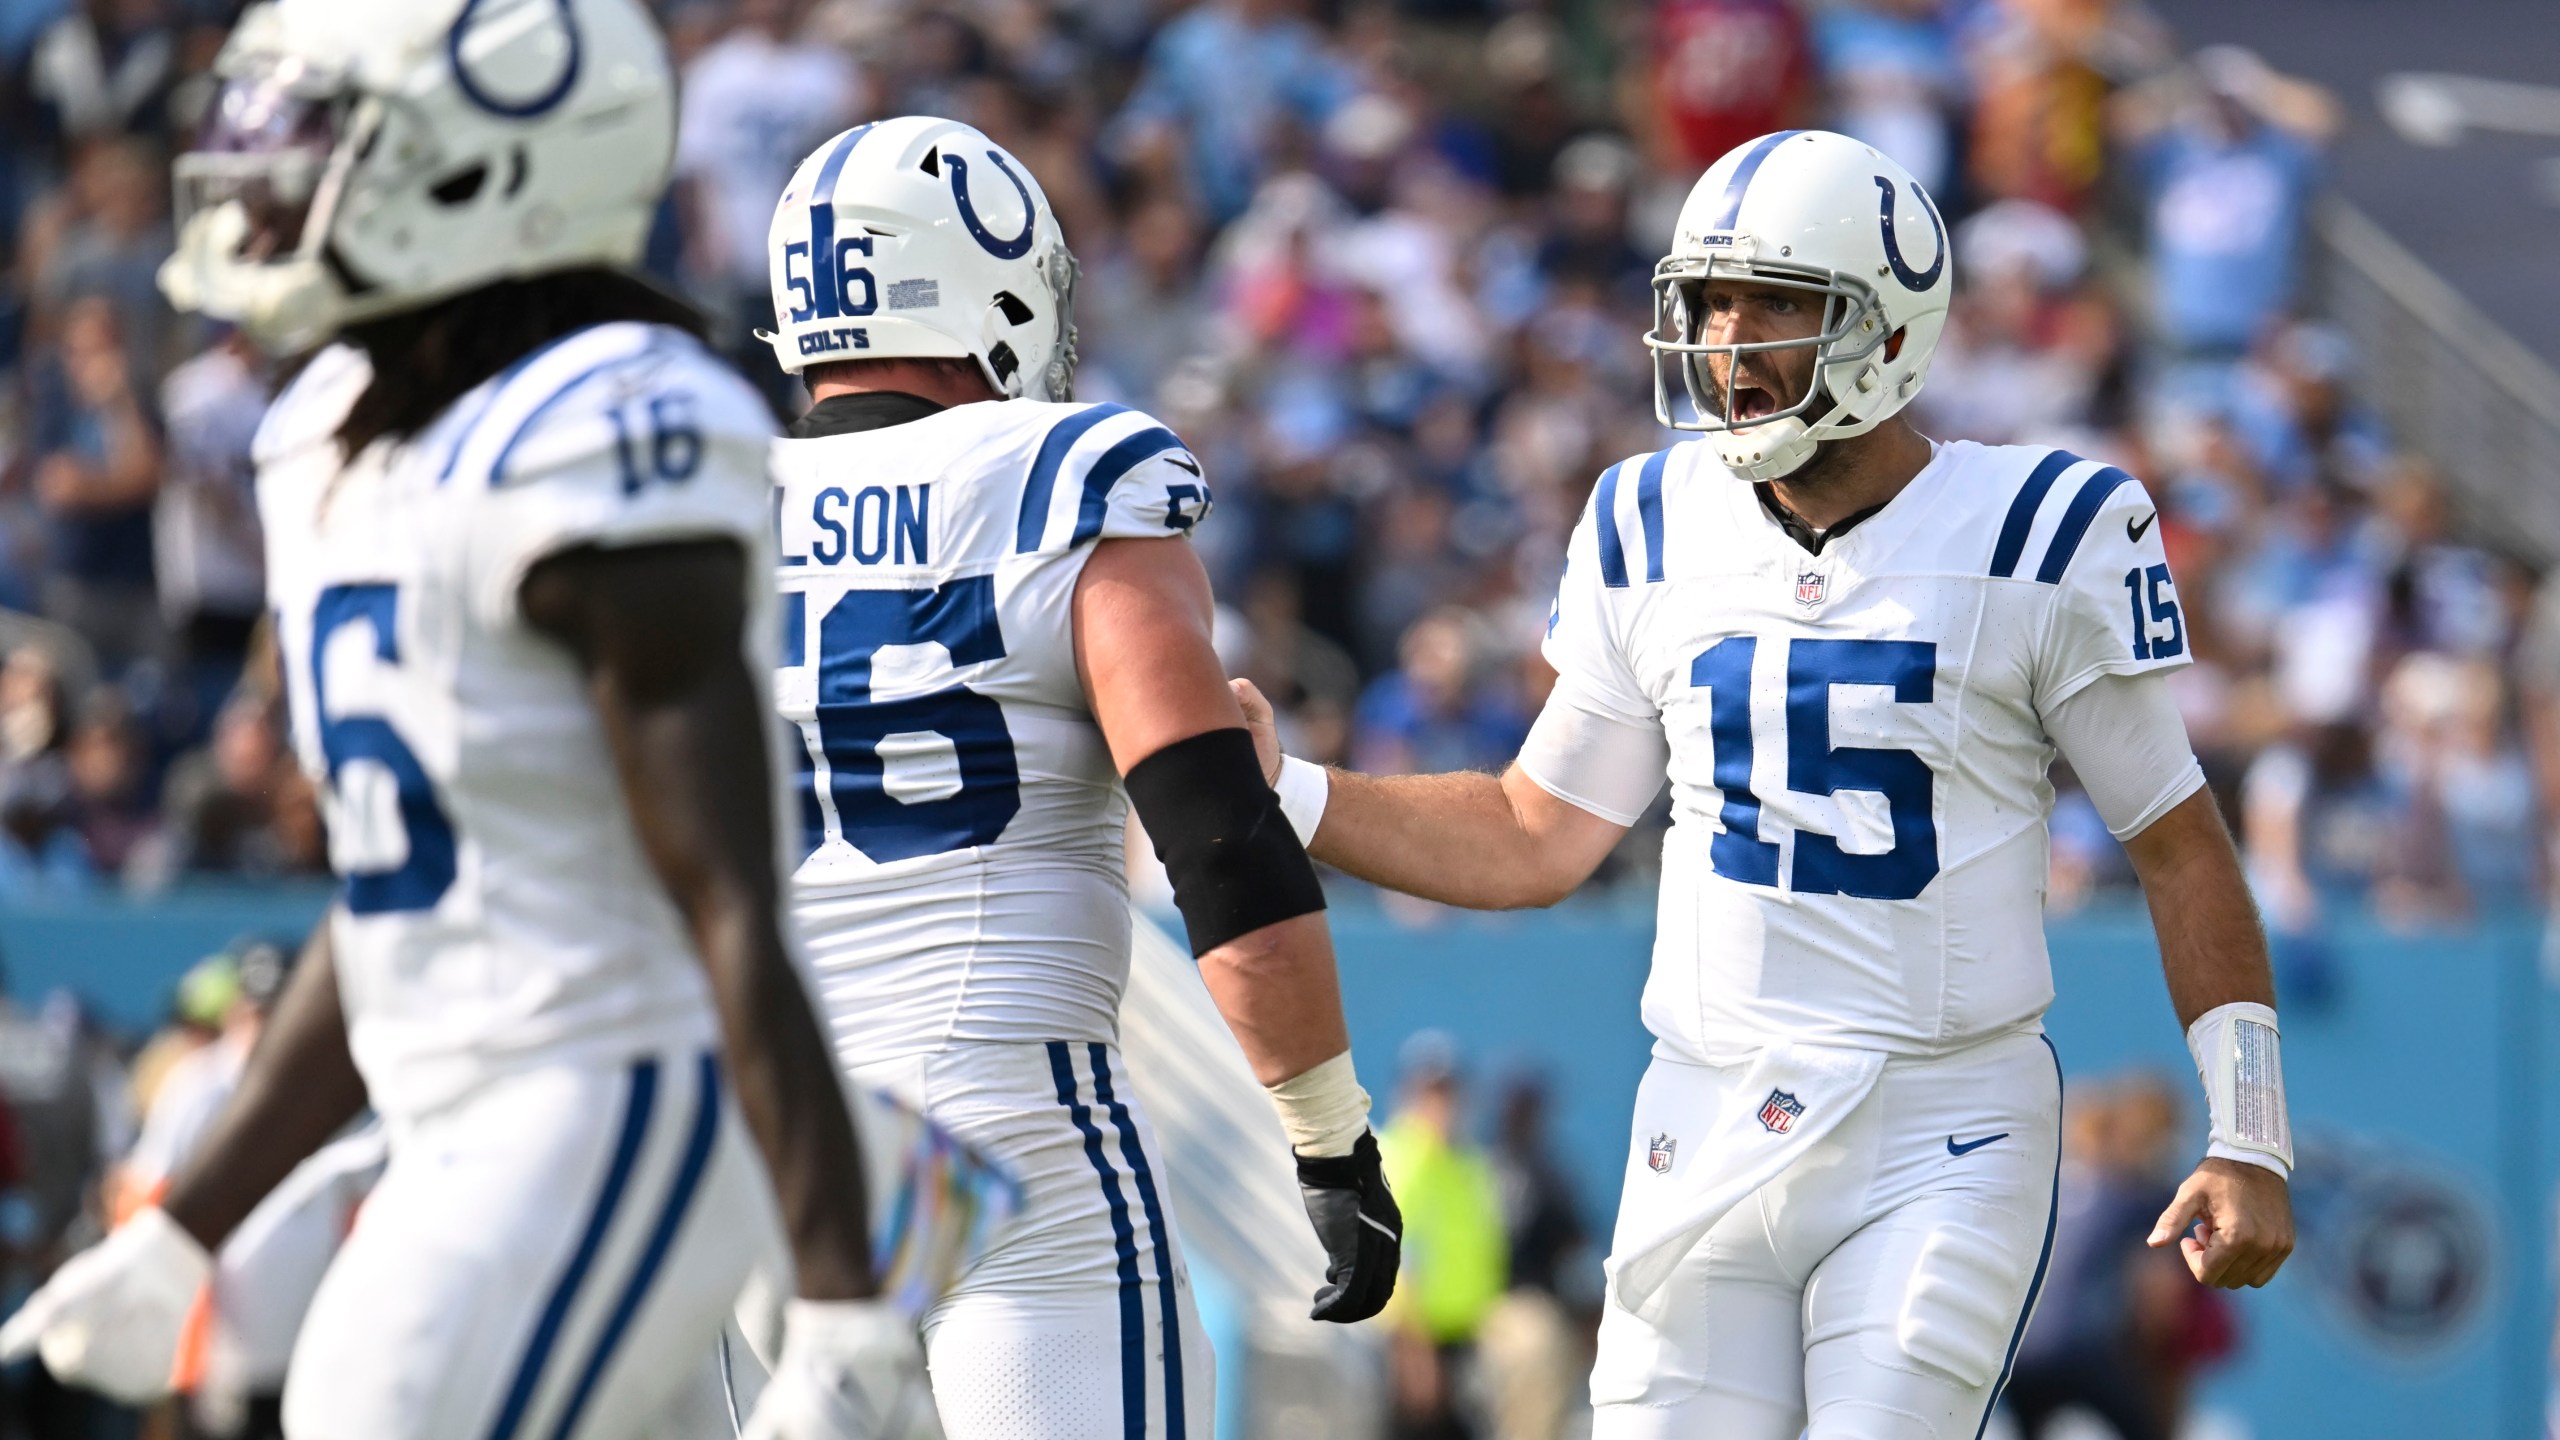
{"type": "Point", "coordinates": [496, 105]}
{"type": "Point", "coordinates": [1019, 245]}
{"type": "Point", "coordinates": [1902, 271]}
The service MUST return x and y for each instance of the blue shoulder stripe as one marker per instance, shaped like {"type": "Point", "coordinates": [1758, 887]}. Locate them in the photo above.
{"type": "Point", "coordinates": [2022, 512]}
{"type": "Point", "coordinates": [1604, 517]}
{"type": "Point", "coordinates": [1034, 519]}
{"type": "Point", "coordinates": [1117, 461]}
{"type": "Point", "coordinates": [532, 417]}
{"type": "Point", "coordinates": [2085, 505]}
{"type": "Point", "coordinates": [497, 387]}
{"type": "Point", "coordinates": [1739, 182]}
{"type": "Point", "coordinates": [1649, 510]}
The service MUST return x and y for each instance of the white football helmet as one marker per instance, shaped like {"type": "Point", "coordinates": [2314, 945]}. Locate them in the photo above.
{"type": "Point", "coordinates": [921, 238]}
{"type": "Point", "coordinates": [365, 157]}
{"type": "Point", "coordinates": [1809, 210]}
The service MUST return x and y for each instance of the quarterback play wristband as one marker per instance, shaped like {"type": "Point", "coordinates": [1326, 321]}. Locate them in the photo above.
{"type": "Point", "coordinates": [2242, 1066]}
{"type": "Point", "coordinates": [1303, 787]}
{"type": "Point", "coordinates": [1324, 1110]}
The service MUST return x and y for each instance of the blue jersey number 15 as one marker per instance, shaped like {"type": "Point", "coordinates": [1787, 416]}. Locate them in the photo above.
{"type": "Point", "coordinates": [1815, 766]}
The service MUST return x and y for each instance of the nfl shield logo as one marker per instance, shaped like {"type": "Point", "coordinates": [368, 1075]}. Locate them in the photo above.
{"type": "Point", "coordinates": [1811, 587]}
{"type": "Point", "coordinates": [1657, 1156]}
{"type": "Point", "coordinates": [1778, 1113]}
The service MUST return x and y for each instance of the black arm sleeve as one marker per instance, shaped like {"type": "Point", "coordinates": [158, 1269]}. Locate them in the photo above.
{"type": "Point", "coordinates": [1235, 863]}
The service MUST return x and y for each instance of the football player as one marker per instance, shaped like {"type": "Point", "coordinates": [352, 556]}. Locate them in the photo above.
{"type": "Point", "coordinates": [996, 643]}
{"type": "Point", "coordinates": [1854, 652]}
{"type": "Point", "coordinates": [516, 529]}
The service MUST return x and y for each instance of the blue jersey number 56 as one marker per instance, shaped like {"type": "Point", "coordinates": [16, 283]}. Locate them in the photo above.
{"type": "Point", "coordinates": [855, 728]}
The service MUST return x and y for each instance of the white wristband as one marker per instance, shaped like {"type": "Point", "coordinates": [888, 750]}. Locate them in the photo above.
{"type": "Point", "coordinates": [1324, 1110]}
{"type": "Point", "coordinates": [1303, 787]}
{"type": "Point", "coordinates": [2240, 1060]}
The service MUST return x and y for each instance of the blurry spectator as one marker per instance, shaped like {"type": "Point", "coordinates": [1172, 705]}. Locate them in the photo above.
{"type": "Point", "coordinates": [2318, 825]}
{"type": "Point", "coordinates": [756, 102]}
{"type": "Point", "coordinates": [1587, 240]}
{"type": "Point", "coordinates": [104, 65]}
{"type": "Point", "coordinates": [96, 473]}
{"type": "Point", "coordinates": [211, 563]}
{"type": "Point", "coordinates": [197, 1005]}
{"type": "Point", "coordinates": [1436, 711]}
{"type": "Point", "coordinates": [2229, 175]}
{"type": "Point", "coordinates": [2470, 792]}
{"type": "Point", "coordinates": [105, 235]}
{"type": "Point", "coordinates": [38, 851]}
{"type": "Point", "coordinates": [108, 764]}
{"type": "Point", "coordinates": [1142, 312]}
{"type": "Point", "coordinates": [2442, 595]}
{"type": "Point", "coordinates": [1534, 1365]}
{"type": "Point", "coordinates": [197, 1085]}
{"type": "Point", "coordinates": [2039, 72]}
{"type": "Point", "coordinates": [1893, 73]}
{"type": "Point", "coordinates": [2292, 410]}
{"type": "Point", "coordinates": [1224, 82]}
{"type": "Point", "coordinates": [239, 806]}
{"type": "Point", "coordinates": [2121, 1328]}
{"type": "Point", "coordinates": [2024, 352]}
{"type": "Point", "coordinates": [1453, 1242]}
{"type": "Point", "coordinates": [1712, 74]}
{"type": "Point", "coordinates": [1311, 682]}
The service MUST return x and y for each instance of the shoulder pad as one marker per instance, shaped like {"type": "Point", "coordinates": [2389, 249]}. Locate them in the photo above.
{"type": "Point", "coordinates": [2040, 533]}
{"type": "Point", "coordinates": [1084, 452]}
{"type": "Point", "coordinates": [625, 389]}
{"type": "Point", "coordinates": [310, 409]}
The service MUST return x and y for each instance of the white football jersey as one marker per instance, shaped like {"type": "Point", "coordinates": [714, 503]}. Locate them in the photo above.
{"type": "Point", "coordinates": [1857, 852]}
{"type": "Point", "coordinates": [497, 911]}
{"type": "Point", "coordinates": [963, 875]}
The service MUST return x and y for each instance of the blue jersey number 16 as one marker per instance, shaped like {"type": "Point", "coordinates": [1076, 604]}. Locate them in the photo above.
{"type": "Point", "coordinates": [854, 727]}
{"type": "Point", "coordinates": [1815, 766]}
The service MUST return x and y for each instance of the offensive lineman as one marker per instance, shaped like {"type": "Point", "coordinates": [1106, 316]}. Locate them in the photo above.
{"type": "Point", "coordinates": [515, 519]}
{"type": "Point", "coordinates": [1854, 652]}
{"type": "Point", "coordinates": [992, 624]}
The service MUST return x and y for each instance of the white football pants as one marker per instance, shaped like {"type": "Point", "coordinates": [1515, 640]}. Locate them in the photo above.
{"type": "Point", "coordinates": [1078, 1323]}
{"type": "Point", "coordinates": [551, 1259]}
{"type": "Point", "coordinates": [1875, 1290]}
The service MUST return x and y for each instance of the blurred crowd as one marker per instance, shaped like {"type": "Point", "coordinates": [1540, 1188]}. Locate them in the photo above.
{"type": "Point", "coordinates": [1384, 264]}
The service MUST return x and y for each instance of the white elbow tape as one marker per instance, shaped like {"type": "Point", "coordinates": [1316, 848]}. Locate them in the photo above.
{"type": "Point", "coordinates": [1324, 1110]}
{"type": "Point", "coordinates": [2242, 1066]}
{"type": "Point", "coordinates": [1303, 787]}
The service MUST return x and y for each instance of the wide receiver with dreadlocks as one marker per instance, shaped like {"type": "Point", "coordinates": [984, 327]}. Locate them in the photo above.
{"type": "Point", "coordinates": [516, 526]}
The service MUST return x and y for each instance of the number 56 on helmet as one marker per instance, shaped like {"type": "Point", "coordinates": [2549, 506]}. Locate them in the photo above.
{"type": "Point", "coordinates": [919, 238]}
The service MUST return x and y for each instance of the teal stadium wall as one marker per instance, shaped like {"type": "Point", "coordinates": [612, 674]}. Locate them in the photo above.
{"type": "Point", "coordinates": [2423, 1098]}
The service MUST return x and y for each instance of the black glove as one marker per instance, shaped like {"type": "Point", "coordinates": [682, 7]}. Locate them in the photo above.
{"type": "Point", "coordinates": [1360, 1227]}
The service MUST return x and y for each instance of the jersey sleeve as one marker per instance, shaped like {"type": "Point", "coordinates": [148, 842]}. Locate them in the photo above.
{"type": "Point", "coordinates": [650, 443]}
{"type": "Point", "coordinates": [1583, 642]}
{"type": "Point", "coordinates": [2115, 610]}
{"type": "Point", "coordinates": [1106, 472]}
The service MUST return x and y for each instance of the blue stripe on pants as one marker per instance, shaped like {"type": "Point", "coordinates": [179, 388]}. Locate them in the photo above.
{"type": "Point", "coordinates": [641, 1100]}
{"type": "Point", "coordinates": [1133, 1307]}
{"type": "Point", "coordinates": [697, 1157]}
{"type": "Point", "coordinates": [1136, 1156]}
{"type": "Point", "coordinates": [2043, 1258]}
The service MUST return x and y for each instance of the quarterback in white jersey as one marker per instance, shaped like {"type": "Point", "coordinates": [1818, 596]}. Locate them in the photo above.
{"type": "Point", "coordinates": [996, 644]}
{"type": "Point", "coordinates": [1853, 653]}
{"type": "Point", "coordinates": [516, 526]}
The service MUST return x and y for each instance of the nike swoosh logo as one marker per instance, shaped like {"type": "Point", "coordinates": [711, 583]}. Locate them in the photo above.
{"type": "Point", "coordinates": [1970, 1146]}
{"type": "Point", "coordinates": [1179, 463]}
{"type": "Point", "coordinates": [2134, 529]}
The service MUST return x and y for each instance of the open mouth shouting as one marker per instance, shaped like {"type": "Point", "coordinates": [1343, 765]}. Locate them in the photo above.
{"type": "Point", "coordinates": [1751, 403]}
